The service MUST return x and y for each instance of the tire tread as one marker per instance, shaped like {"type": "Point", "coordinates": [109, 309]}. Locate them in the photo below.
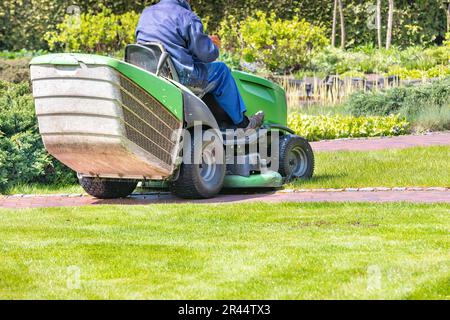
{"type": "Point", "coordinates": [107, 188]}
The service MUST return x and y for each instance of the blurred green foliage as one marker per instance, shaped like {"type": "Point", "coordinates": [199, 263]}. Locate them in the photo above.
{"type": "Point", "coordinates": [276, 44]}
{"type": "Point", "coordinates": [102, 32]}
{"type": "Point", "coordinates": [407, 100]}
{"type": "Point", "coordinates": [23, 23]}
{"type": "Point", "coordinates": [409, 63]}
{"type": "Point", "coordinates": [420, 104]}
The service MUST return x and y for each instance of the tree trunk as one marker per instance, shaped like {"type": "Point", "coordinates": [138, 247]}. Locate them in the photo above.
{"type": "Point", "coordinates": [378, 22]}
{"type": "Point", "coordinates": [448, 18]}
{"type": "Point", "coordinates": [343, 35]}
{"type": "Point", "coordinates": [333, 33]}
{"type": "Point", "coordinates": [390, 23]}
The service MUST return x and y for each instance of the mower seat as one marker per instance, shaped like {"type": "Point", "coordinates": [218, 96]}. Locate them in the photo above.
{"type": "Point", "coordinates": [153, 57]}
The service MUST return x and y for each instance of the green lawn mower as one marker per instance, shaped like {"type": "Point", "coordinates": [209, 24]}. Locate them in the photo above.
{"type": "Point", "coordinates": [118, 123]}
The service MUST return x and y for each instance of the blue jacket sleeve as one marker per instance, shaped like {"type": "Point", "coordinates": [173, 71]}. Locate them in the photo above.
{"type": "Point", "coordinates": [200, 44]}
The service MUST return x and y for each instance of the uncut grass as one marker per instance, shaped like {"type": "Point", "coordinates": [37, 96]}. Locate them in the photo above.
{"type": "Point", "coordinates": [43, 189]}
{"type": "Point", "coordinates": [251, 251]}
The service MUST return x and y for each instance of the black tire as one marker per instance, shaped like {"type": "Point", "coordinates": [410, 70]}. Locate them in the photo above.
{"type": "Point", "coordinates": [108, 188]}
{"type": "Point", "coordinates": [193, 183]}
{"type": "Point", "coordinates": [296, 158]}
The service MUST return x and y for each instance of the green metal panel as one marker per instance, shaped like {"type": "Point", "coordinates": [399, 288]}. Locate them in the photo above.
{"type": "Point", "coordinates": [270, 179]}
{"type": "Point", "coordinates": [156, 184]}
{"type": "Point", "coordinates": [162, 90]}
{"type": "Point", "coordinates": [261, 94]}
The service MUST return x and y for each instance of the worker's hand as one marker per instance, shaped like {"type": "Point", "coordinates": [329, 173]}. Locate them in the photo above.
{"type": "Point", "coordinates": [216, 40]}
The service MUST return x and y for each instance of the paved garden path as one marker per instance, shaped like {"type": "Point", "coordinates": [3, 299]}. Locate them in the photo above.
{"type": "Point", "coordinates": [402, 142]}
{"type": "Point", "coordinates": [378, 195]}
{"type": "Point", "coordinates": [425, 196]}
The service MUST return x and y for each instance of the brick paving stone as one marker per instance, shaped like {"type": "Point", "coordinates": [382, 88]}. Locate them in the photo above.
{"type": "Point", "coordinates": [415, 189]}
{"type": "Point", "coordinates": [437, 189]}
{"type": "Point", "coordinates": [307, 196]}
{"type": "Point", "coordinates": [401, 142]}
{"type": "Point", "coordinates": [383, 189]}
{"type": "Point", "coordinates": [367, 189]}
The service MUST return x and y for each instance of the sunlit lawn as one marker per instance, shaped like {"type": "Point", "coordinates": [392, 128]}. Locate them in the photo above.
{"type": "Point", "coordinates": [252, 251]}
{"type": "Point", "coordinates": [414, 167]}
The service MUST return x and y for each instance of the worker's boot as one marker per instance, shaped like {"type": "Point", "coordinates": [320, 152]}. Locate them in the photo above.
{"type": "Point", "coordinates": [256, 121]}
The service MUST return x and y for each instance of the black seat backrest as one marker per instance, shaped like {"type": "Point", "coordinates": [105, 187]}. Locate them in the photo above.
{"type": "Point", "coordinates": [152, 57]}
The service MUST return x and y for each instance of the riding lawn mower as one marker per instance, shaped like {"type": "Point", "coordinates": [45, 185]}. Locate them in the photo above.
{"type": "Point", "coordinates": [120, 123]}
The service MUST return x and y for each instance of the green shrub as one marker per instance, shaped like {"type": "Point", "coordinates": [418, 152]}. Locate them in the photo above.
{"type": "Point", "coordinates": [15, 70]}
{"type": "Point", "coordinates": [279, 45]}
{"type": "Point", "coordinates": [16, 109]}
{"type": "Point", "coordinates": [21, 54]}
{"type": "Point", "coordinates": [23, 158]}
{"type": "Point", "coordinates": [434, 118]}
{"type": "Point", "coordinates": [231, 60]}
{"type": "Point", "coordinates": [23, 23]}
{"type": "Point", "coordinates": [329, 61]}
{"type": "Point", "coordinates": [27, 159]}
{"type": "Point", "coordinates": [421, 104]}
{"type": "Point", "coordinates": [406, 100]}
{"type": "Point", "coordinates": [410, 63]}
{"type": "Point", "coordinates": [337, 61]}
{"type": "Point", "coordinates": [102, 32]}
{"type": "Point", "coordinates": [4, 172]}
{"type": "Point", "coordinates": [406, 74]}
{"type": "Point", "coordinates": [376, 103]}
{"type": "Point", "coordinates": [325, 127]}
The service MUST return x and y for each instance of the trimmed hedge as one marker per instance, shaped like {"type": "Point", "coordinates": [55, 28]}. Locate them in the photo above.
{"type": "Point", "coordinates": [324, 127]}
{"type": "Point", "coordinates": [23, 158]}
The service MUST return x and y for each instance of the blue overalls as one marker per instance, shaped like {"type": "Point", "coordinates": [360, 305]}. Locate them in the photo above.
{"type": "Point", "coordinates": [173, 23]}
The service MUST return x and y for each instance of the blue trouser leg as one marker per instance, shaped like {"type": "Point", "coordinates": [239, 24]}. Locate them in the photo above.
{"type": "Point", "coordinates": [226, 91]}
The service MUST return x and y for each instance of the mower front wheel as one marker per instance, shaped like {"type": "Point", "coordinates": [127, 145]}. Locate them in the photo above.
{"type": "Point", "coordinates": [107, 188]}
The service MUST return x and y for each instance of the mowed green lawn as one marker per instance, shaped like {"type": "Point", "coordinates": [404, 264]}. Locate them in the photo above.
{"type": "Point", "coordinates": [414, 167]}
{"type": "Point", "coordinates": [251, 251]}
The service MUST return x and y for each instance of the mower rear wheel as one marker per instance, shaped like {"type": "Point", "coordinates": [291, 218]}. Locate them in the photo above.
{"type": "Point", "coordinates": [108, 188]}
{"type": "Point", "coordinates": [204, 180]}
{"type": "Point", "coordinates": [296, 158]}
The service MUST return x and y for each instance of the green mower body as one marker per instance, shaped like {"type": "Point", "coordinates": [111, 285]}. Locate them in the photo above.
{"type": "Point", "coordinates": [117, 123]}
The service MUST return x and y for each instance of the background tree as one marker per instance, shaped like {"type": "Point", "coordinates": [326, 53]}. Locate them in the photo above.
{"type": "Point", "coordinates": [343, 34]}
{"type": "Point", "coordinates": [390, 24]}
{"type": "Point", "coordinates": [447, 5]}
{"type": "Point", "coordinates": [333, 31]}
{"type": "Point", "coordinates": [378, 24]}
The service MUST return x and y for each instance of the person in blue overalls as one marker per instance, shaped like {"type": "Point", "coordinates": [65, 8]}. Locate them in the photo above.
{"type": "Point", "coordinates": [179, 29]}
